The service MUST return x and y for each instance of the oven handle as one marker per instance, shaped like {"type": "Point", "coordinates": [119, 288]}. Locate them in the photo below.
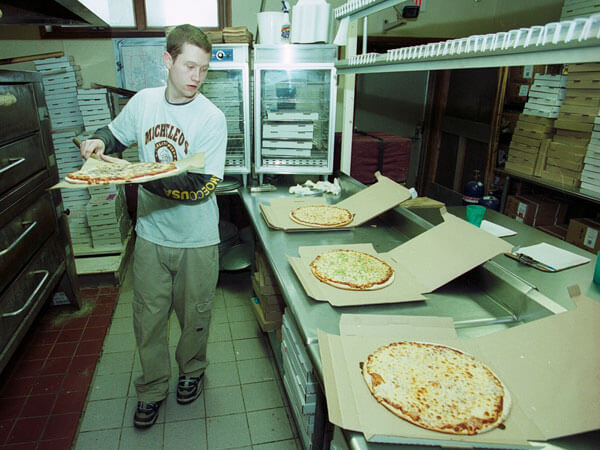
{"type": "Point", "coordinates": [31, 297]}
{"type": "Point", "coordinates": [13, 164]}
{"type": "Point", "coordinates": [19, 239]}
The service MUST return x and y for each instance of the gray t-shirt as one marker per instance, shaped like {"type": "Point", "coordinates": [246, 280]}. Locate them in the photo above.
{"type": "Point", "coordinates": [167, 132]}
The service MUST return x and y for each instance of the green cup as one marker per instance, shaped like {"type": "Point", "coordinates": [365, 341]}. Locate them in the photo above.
{"type": "Point", "coordinates": [475, 214]}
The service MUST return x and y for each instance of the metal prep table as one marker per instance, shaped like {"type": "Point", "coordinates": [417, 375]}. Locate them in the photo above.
{"type": "Point", "coordinates": [471, 300]}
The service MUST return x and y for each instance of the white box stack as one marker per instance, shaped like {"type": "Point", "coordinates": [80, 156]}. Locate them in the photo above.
{"type": "Point", "coordinates": [61, 79]}
{"type": "Point", "coordinates": [107, 217]}
{"type": "Point", "coordinates": [94, 108]}
{"type": "Point", "coordinates": [68, 160]}
{"type": "Point", "coordinates": [546, 95]}
{"type": "Point", "coordinates": [288, 134]}
{"type": "Point", "coordinates": [579, 8]}
{"type": "Point", "coordinates": [590, 175]}
{"type": "Point", "coordinates": [299, 380]}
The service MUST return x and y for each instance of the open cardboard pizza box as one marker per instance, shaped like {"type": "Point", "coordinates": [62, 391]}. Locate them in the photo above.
{"type": "Point", "coordinates": [188, 164]}
{"type": "Point", "coordinates": [364, 205]}
{"type": "Point", "coordinates": [421, 265]}
{"type": "Point", "coordinates": [550, 367]}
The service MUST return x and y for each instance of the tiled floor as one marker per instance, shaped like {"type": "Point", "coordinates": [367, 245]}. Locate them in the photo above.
{"type": "Point", "coordinates": [243, 404]}
{"type": "Point", "coordinates": [44, 387]}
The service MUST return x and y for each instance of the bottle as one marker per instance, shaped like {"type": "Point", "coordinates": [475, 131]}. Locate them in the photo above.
{"type": "Point", "coordinates": [285, 24]}
{"type": "Point", "coordinates": [474, 190]}
{"type": "Point", "coordinates": [490, 202]}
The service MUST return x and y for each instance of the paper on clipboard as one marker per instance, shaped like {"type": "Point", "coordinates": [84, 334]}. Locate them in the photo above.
{"type": "Point", "coordinates": [496, 230]}
{"type": "Point", "coordinates": [553, 257]}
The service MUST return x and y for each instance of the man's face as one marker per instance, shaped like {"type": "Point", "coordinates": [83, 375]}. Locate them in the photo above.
{"type": "Point", "coordinates": [186, 72]}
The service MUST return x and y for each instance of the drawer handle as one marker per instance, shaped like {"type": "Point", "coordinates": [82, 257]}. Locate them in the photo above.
{"type": "Point", "coordinates": [31, 297]}
{"type": "Point", "coordinates": [19, 239]}
{"type": "Point", "coordinates": [13, 163]}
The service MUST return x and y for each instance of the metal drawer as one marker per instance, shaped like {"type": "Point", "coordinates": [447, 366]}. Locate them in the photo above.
{"type": "Point", "coordinates": [21, 301]}
{"type": "Point", "coordinates": [19, 161]}
{"type": "Point", "coordinates": [18, 111]}
{"type": "Point", "coordinates": [23, 235]}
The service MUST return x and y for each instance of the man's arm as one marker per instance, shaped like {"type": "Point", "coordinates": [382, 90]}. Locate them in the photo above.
{"type": "Point", "coordinates": [103, 141]}
{"type": "Point", "coordinates": [187, 187]}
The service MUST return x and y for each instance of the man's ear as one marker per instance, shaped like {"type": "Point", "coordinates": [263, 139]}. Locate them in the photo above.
{"type": "Point", "coordinates": [168, 60]}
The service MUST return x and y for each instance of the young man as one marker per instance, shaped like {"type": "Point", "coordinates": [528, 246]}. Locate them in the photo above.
{"type": "Point", "coordinates": [176, 253]}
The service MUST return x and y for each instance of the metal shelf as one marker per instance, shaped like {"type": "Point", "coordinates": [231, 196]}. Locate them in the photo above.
{"type": "Point", "coordinates": [363, 8]}
{"type": "Point", "coordinates": [579, 193]}
{"type": "Point", "coordinates": [562, 53]}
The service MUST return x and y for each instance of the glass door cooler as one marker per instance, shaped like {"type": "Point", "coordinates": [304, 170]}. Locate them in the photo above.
{"type": "Point", "coordinates": [294, 109]}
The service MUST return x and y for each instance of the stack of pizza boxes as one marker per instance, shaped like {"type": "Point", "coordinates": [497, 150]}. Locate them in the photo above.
{"type": "Point", "coordinates": [535, 126]}
{"type": "Point", "coordinates": [93, 104]}
{"type": "Point", "coordinates": [574, 126]}
{"type": "Point", "coordinates": [531, 133]}
{"type": "Point", "coordinates": [107, 217]}
{"type": "Point", "coordinates": [268, 304]}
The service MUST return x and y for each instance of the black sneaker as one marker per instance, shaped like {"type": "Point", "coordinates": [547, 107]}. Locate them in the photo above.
{"type": "Point", "coordinates": [189, 388]}
{"type": "Point", "coordinates": [146, 414]}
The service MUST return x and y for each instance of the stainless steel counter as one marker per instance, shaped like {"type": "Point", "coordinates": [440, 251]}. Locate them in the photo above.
{"type": "Point", "coordinates": [476, 301]}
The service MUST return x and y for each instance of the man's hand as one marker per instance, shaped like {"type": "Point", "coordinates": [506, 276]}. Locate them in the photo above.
{"type": "Point", "coordinates": [92, 146]}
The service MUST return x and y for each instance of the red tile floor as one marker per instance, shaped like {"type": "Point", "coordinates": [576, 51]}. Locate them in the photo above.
{"type": "Point", "coordinates": [44, 387]}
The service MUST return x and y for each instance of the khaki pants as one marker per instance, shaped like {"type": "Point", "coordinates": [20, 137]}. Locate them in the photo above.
{"type": "Point", "coordinates": [166, 278]}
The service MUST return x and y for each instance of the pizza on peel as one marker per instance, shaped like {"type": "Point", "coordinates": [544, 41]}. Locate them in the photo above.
{"type": "Point", "coordinates": [321, 216]}
{"type": "Point", "coordinates": [353, 270]}
{"type": "Point", "coordinates": [120, 173]}
{"type": "Point", "coordinates": [437, 387]}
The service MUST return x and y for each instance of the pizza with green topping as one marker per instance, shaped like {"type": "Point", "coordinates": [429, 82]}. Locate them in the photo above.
{"type": "Point", "coordinates": [353, 270]}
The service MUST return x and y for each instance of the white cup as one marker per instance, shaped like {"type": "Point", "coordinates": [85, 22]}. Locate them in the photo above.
{"type": "Point", "coordinates": [269, 27]}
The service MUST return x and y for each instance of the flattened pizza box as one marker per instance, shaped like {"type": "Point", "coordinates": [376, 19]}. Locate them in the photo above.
{"type": "Point", "coordinates": [372, 201]}
{"type": "Point", "coordinates": [421, 265]}
{"type": "Point", "coordinates": [188, 164]}
{"type": "Point", "coordinates": [550, 367]}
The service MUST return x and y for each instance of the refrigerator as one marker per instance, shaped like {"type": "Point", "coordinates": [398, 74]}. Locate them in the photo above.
{"type": "Point", "coordinates": [294, 109]}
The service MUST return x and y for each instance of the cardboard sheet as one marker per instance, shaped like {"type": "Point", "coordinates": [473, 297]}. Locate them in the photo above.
{"type": "Point", "coordinates": [421, 265]}
{"type": "Point", "coordinates": [365, 205]}
{"type": "Point", "coordinates": [192, 163]}
{"type": "Point", "coordinates": [550, 366]}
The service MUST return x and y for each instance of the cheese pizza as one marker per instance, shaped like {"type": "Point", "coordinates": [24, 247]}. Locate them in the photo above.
{"type": "Point", "coordinates": [321, 216]}
{"type": "Point", "coordinates": [353, 270]}
{"type": "Point", "coordinates": [120, 173]}
{"type": "Point", "coordinates": [437, 387]}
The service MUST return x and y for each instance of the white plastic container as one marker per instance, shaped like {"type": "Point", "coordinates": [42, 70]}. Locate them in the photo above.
{"type": "Point", "coordinates": [310, 21]}
{"type": "Point", "coordinates": [269, 27]}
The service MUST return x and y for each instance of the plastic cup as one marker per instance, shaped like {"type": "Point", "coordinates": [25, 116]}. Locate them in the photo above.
{"type": "Point", "coordinates": [475, 214]}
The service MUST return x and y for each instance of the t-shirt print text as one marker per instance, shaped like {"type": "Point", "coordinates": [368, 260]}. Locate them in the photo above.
{"type": "Point", "coordinates": [164, 149]}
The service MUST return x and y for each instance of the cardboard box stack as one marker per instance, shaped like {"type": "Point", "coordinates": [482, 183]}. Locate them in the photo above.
{"type": "Point", "coordinates": [579, 8]}
{"type": "Point", "coordinates": [94, 108]}
{"type": "Point", "coordinates": [584, 233]}
{"type": "Point", "coordinates": [107, 217]}
{"type": "Point", "coordinates": [546, 95]}
{"type": "Point", "coordinates": [269, 305]}
{"type": "Point", "coordinates": [529, 143]}
{"type": "Point", "coordinates": [574, 126]}
{"type": "Point", "coordinates": [520, 80]}
{"type": "Point", "coordinates": [590, 176]}
{"type": "Point", "coordinates": [535, 210]}
{"type": "Point", "coordinates": [61, 79]}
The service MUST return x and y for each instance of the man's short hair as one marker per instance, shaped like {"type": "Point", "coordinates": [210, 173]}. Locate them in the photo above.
{"type": "Point", "coordinates": [187, 33]}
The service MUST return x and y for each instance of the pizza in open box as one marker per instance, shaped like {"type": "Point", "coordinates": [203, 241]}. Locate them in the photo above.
{"type": "Point", "coordinates": [437, 387]}
{"type": "Point", "coordinates": [321, 216]}
{"type": "Point", "coordinates": [353, 270]}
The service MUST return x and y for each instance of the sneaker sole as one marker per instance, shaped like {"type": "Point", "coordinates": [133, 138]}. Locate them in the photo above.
{"type": "Point", "coordinates": [143, 425]}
